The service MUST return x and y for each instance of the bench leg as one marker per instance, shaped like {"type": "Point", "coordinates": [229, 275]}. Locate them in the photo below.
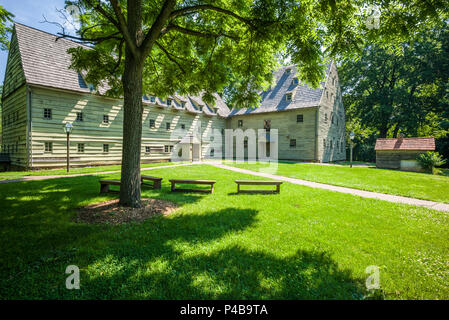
{"type": "Point", "coordinates": [211, 188]}
{"type": "Point", "coordinates": [104, 188]}
{"type": "Point", "coordinates": [238, 188]}
{"type": "Point", "coordinates": [157, 184]}
{"type": "Point", "coordinates": [172, 186]}
{"type": "Point", "coordinates": [278, 188]}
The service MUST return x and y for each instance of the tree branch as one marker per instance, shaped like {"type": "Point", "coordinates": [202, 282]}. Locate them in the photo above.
{"type": "Point", "coordinates": [130, 41]}
{"type": "Point", "coordinates": [200, 34]}
{"type": "Point", "coordinates": [96, 40]}
{"type": "Point", "coordinates": [157, 26]}
{"type": "Point", "coordinates": [202, 7]}
{"type": "Point", "coordinates": [170, 56]}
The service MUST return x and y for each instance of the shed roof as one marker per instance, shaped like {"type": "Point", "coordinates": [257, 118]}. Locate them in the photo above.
{"type": "Point", "coordinates": [415, 144]}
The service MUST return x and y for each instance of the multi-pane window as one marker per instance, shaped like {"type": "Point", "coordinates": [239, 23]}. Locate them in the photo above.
{"type": "Point", "coordinates": [79, 116]}
{"type": "Point", "coordinates": [295, 81]}
{"type": "Point", "coordinates": [105, 118]}
{"type": "Point", "coordinates": [105, 148]}
{"type": "Point", "coordinates": [292, 143]}
{"type": "Point", "coordinates": [47, 114]}
{"type": "Point", "coordinates": [48, 146]}
{"type": "Point", "coordinates": [171, 148]}
{"type": "Point", "coordinates": [165, 148]}
{"type": "Point", "coordinates": [288, 71]}
{"type": "Point", "coordinates": [152, 123]}
{"type": "Point", "coordinates": [80, 147]}
{"type": "Point", "coordinates": [152, 98]}
{"type": "Point", "coordinates": [147, 149]}
{"type": "Point", "coordinates": [169, 102]}
{"type": "Point", "coordinates": [200, 108]}
{"type": "Point", "coordinates": [240, 123]}
{"type": "Point", "coordinates": [288, 97]}
{"type": "Point", "coordinates": [299, 118]}
{"type": "Point", "coordinates": [167, 126]}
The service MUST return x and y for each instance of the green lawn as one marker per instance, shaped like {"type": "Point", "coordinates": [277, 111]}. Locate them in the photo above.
{"type": "Point", "coordinates": [303, 243]}
{"type": "Point", "coordinates": [409, 184]}
{"type": "Point", "coordinates": [9, 175]}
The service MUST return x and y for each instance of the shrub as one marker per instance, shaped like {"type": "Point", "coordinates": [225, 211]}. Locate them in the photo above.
{"type": "Point", "coordinates": [429, 160]}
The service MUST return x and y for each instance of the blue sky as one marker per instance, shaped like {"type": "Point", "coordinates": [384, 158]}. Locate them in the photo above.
{"type": "Point", "coordinates": [30, 13]}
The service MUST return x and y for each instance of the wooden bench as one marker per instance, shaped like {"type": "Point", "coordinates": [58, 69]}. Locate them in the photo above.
{"type": "Point", "coordinates": [156, 181]}
{"type": "Point", "coordinates": [258, 183]}
{"type": "Point", "coordinates": [104, 185]}
{"type": "Point", "coordinates": [208, 182]}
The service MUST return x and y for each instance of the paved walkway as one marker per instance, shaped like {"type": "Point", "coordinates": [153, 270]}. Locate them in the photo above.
{"type": "Point", "coordinates": [31, 178]}
{"type": "Point", "coordinates": [361, 193]}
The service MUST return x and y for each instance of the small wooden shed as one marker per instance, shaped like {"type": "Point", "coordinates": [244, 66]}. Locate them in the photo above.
{"type": "Point", "coordinates": [401, 153]}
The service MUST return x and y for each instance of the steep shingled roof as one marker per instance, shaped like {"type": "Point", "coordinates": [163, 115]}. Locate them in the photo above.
{"type": "Point", "coordinates": [274, 98]}
{"type": "Point", "coordinates": [415, 144]}
{"type": "Point", "coordinates": [46, 63]}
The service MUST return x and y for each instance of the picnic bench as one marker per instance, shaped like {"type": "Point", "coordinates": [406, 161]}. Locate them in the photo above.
{"type": "Point", "coordinates": [181, 181]}
{"type": "Point", "coordinates": [104, 185]}
{"type": "Point", "coordinates": [258, 183]}
{"type": "Point", "coordinates": [156, 181]}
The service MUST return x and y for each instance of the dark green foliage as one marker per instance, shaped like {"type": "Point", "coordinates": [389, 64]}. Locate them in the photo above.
{"type": "Point", "coordinates": [430, 160]}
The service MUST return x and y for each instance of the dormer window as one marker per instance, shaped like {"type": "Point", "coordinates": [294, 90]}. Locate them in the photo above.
{"type": "Point", "coordinates": [295, 81]}
{"type": "Point", "coordinates": [288, 71]}
{"type": "Point", "coordinates": [288, 97]}
{"type": "Point", "coordinates": [183, 104]}
{"type": "Point", "coordinates": [153, 99]}
{"type": "Point", "coordinates": [169, 102]}
{"type": "Point", "coordinates": [200, 108]}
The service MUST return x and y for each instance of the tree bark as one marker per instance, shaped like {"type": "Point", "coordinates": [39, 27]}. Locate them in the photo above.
{"type": "Point", "coordinates": [132, 111]}
{"type": "Point", "coordinates": [132, 133]}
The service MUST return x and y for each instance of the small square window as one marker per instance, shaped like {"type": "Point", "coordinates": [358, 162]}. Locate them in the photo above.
{"type": "Point", "coordinates": [288, 71]}
{"type": "Point", "coordinates": [47, 114]}
{"type": "Point", "coordinates": [81, 147]}
{"type": "Point", "coordinates": [240, 123]}
{"type": "Point", "coordinates": [165, 148]}
{"type": "Point", "coordinates": [152, 123]}
{"type": "Point", "coordinates": [299, 118]}
{"type": "Point", "coordinates": [200, 108]}
{"type": "Point", "coordinates": [183, 126]}
{"type": "Point", "coordinates": [169, 102]}
{"type": "Point", "coordinates": [152, 98]}
{"type": "Point", "coordinates": [288, 97]}
{"type": "Point", "coordinates": [167, 126]}
{"type": "Point", "coordinates": [48, 146]}
{"type": "Point", "coordinates": [295, 81]}
{"type": "Point", "coordinates": [79, 116]}
{"type": "Point", "coordinates": [212, 152]}
{"type": "Point", "coordinates": [105, 148]}
{"type": "Point", "coordinates": [292, 143]}
{"type": "Point", "coordinates": [147, 149]}
{"type": "Point", "coordinates": [105, 118]}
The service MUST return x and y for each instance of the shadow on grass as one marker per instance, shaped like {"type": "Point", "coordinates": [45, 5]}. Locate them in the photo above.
{"type": "Point", "coordinates": [185, 256]}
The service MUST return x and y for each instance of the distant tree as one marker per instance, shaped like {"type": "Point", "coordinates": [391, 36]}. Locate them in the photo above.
{"type": "Point", "coordinates": [5, 28]}
{"type": "Point", "coordinates": [405, 91]}
{"type": "Point", "coordinates": [165, 47]}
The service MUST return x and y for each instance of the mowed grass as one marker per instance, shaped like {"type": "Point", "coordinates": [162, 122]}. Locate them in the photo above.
{"type": "Point", "coordinates": [409, 184]}
{"type": "Point", "coordinates": [10, 175]}
{"type": "Point", "coordinates": [303, 243]}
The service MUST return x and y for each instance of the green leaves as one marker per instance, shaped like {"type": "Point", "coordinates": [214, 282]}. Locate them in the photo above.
{"type": "Point", "coordinates": [5, 19]}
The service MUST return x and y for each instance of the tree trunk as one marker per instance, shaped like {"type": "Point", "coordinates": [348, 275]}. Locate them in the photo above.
{"type": "Point", "coordinates": [132, 132]}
